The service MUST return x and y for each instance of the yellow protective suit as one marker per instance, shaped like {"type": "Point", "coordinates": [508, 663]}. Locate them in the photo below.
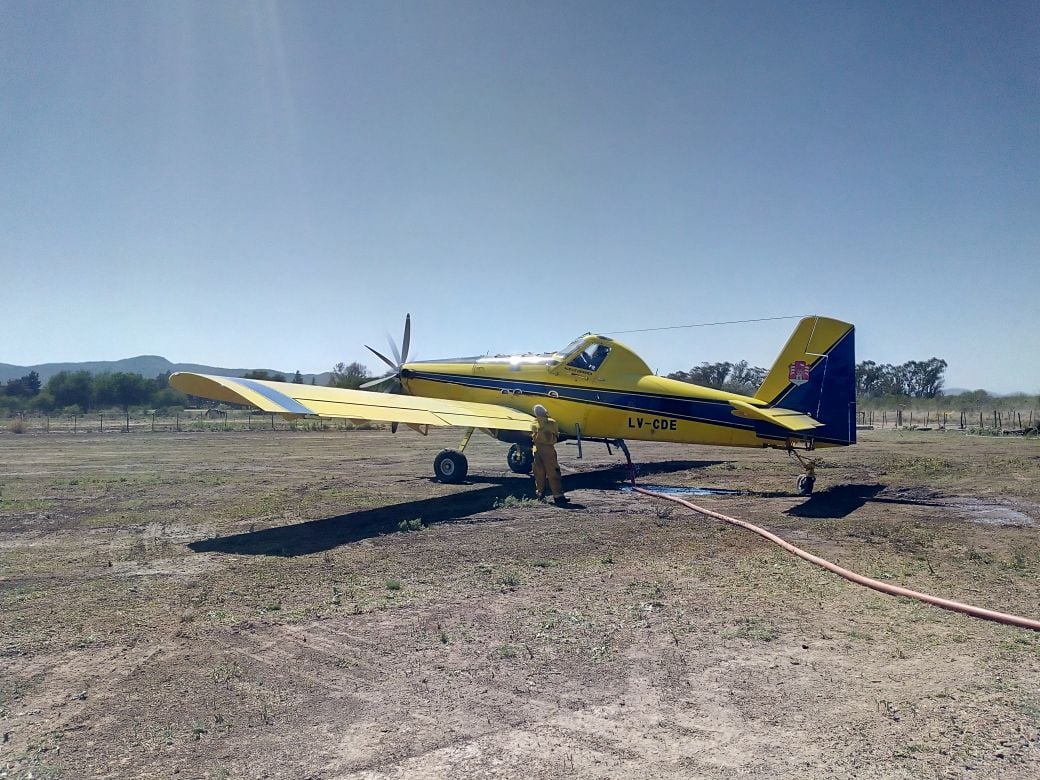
{"type": "Point", "coordinates": [544, 435]}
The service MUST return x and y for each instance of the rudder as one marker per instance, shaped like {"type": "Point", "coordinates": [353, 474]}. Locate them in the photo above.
{"type": "Point", "coordinates": [815, 373]}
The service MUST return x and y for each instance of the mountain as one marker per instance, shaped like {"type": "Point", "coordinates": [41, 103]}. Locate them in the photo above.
{"type": "Point", "coordinates": [149, 366]}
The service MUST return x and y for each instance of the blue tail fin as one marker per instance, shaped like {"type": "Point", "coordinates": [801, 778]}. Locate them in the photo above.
{"type": "Point", "coordinates": [816, 374]}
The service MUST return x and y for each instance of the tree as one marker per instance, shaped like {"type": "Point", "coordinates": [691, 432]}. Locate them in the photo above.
{"type": "Point", "coordinates": [72, 388]}
{"type": "Point", "coordinates": [925, 378]}
{"type": "Point", "coordinates": [168, 398]}
{"type": "Point", "coordinates": [122, 389]}
{"type": "Point", "coordinates": [349, 376]}
{"type": "Point", "coordinates": [915, 378]}
{"type": "Point", "coordinates": [744, 379]}
{"type": "Point", "coordinates": [23, 387]}
{"type": "Point", "coordinates": [710, 374]}
{"type": "Point", "coordinates": [869, 378]}
{"type": "Point", "coordinates": [263, 375]}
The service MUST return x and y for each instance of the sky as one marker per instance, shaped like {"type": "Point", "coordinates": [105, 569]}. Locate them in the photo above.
{"type": "Point", "coordinates": [277, 184]}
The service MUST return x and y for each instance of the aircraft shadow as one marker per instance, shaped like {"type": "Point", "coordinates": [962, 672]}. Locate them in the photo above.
{"type": "Point", "coordinates": [836, 502]}
{"type": "Point", "coordinates": [319, 535]}
{"type": "Point", "coordinates": [842, 500]}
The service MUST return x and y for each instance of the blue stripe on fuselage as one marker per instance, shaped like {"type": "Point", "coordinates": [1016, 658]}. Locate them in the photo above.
{"type": "Point", "coordinates": [695, 410]}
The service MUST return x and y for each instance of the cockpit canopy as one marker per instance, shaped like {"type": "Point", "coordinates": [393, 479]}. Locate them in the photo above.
{"type": "Point", "coordinates": [586, 353]}
{"type": "Point", "coordinates": [589, 352]}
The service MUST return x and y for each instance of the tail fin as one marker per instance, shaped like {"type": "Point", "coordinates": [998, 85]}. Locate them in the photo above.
{"type": "Point", "coordinates": [816, 374]}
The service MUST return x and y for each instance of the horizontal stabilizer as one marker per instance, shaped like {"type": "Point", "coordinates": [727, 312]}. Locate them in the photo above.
{"type": "Point", "coordinates": [785, 418]}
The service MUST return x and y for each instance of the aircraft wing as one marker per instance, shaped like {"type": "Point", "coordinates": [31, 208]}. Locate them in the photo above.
{"type": "Point", "coordinates": [292, 400]}
{"type": "Point", "coordinates": [785, 418]}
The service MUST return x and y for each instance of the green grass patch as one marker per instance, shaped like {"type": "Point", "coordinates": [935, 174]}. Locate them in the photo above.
{"type": "Point", "coordinates": [756, 629]}
{"type": "Point", "coordinates": [510, 502]}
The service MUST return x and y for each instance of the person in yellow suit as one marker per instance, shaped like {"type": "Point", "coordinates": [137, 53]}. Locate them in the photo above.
{"type": "Point", "coordinates": [544, 435]}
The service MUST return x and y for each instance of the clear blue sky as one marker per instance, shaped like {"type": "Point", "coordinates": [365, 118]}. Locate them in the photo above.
{"type": "Point", "coordinates": [275, 184]}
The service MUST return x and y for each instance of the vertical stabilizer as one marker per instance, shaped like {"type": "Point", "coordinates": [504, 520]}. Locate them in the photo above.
{"type": "Point", "coordinates": [816, 374]}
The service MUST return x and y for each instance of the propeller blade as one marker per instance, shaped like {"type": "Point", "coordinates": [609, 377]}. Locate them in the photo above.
{"type": "Point", "coordinates": [379, 381]}
{"type": "Point", "coordinates": [393, 427]}
{"type": "Point", "coordinates": [382, 357]}
{"type": "Point", "coordinates": [407, 338]}
{"type": "Point", "coordinates": [393, 348]}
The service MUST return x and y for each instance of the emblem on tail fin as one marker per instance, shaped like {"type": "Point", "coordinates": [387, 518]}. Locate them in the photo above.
{"type": "Point", "coordinates": [798, 372]}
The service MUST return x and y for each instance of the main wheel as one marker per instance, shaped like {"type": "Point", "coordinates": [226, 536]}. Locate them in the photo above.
{"type": "Point", "coordinates": [805, 484]}
{"type": "Point", "coordinates": [450, 466]}
{"type": "Point", "coordinates": [520, 459]}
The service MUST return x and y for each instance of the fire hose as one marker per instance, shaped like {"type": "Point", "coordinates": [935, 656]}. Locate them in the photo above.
{"type": "Point", "coordinates": [859, 579]}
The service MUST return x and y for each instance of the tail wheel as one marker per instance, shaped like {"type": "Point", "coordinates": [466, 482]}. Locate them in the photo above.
{"type": "Point", "coordinates": [450, 466]}
{"type": "Point", "coordinates": [520, 459]}
{"type": "Point", "coordinates": [805, 484]}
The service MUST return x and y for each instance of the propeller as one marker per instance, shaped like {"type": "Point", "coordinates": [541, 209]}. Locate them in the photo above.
{"type": "Point", "coordinates": [392, 381]}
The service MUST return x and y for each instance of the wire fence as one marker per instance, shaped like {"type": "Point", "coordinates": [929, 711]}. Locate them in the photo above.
{"type": "Point", "coordinates": [187, 421]}
{"type": "Point", "coordinates": [1004, 422]}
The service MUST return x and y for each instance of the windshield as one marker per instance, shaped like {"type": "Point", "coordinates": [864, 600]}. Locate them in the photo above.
{"type": "Point", "coordinates": [591, 357]}
{"type": "Point", "coordinates": [572, 346]}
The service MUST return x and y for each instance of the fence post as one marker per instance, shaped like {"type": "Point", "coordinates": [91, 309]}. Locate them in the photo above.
{"type": "Point", "coordinates": [128, 421]}
{"type": "Point", "coordinates": [102, 416]}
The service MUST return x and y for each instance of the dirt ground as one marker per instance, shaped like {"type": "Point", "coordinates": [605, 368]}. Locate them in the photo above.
{"type": "Point", "coordinates": [313, 605]}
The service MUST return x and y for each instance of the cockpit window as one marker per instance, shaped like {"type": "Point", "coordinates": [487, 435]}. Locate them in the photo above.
{"type": "Point", "coordinates": [591, 358]}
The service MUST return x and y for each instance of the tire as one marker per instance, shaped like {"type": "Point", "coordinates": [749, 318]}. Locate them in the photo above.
{"type": "Point", "coordinates": [805, 485]}
{"type": "Point", "coordinates": [520, 459]}
{"type": "Point", "coordinates": [450, 466]}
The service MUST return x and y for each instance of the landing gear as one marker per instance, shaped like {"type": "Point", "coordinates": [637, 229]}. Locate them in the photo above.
{"type": "Point", "coordinates": [620, 444]}
{"type": "Point", "coordinates": [520, 459]}
{"type": "Point", "coordinates": [806, 481]}
{"type": "Point", "coordinates": [450, 466]}
{"type": "Point", "coordinates": [805, 484]}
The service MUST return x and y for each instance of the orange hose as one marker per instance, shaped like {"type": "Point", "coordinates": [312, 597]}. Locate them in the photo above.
{"type": "Point", "coordinates": [859, 579]}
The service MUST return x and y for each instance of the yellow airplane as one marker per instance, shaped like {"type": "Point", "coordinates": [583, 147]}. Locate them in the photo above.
{"type": "Point", "coordinates": [596, 389]}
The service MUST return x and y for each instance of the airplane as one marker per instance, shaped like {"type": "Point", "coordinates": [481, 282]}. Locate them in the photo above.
{"type": "Point", "coordinates": [597, 390]}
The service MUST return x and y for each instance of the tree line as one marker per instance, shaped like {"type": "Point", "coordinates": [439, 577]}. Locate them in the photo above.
{"type": "Point", "coordinates": [79, 392]}
{"type": "Point", "coordinates": [913, 379]}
